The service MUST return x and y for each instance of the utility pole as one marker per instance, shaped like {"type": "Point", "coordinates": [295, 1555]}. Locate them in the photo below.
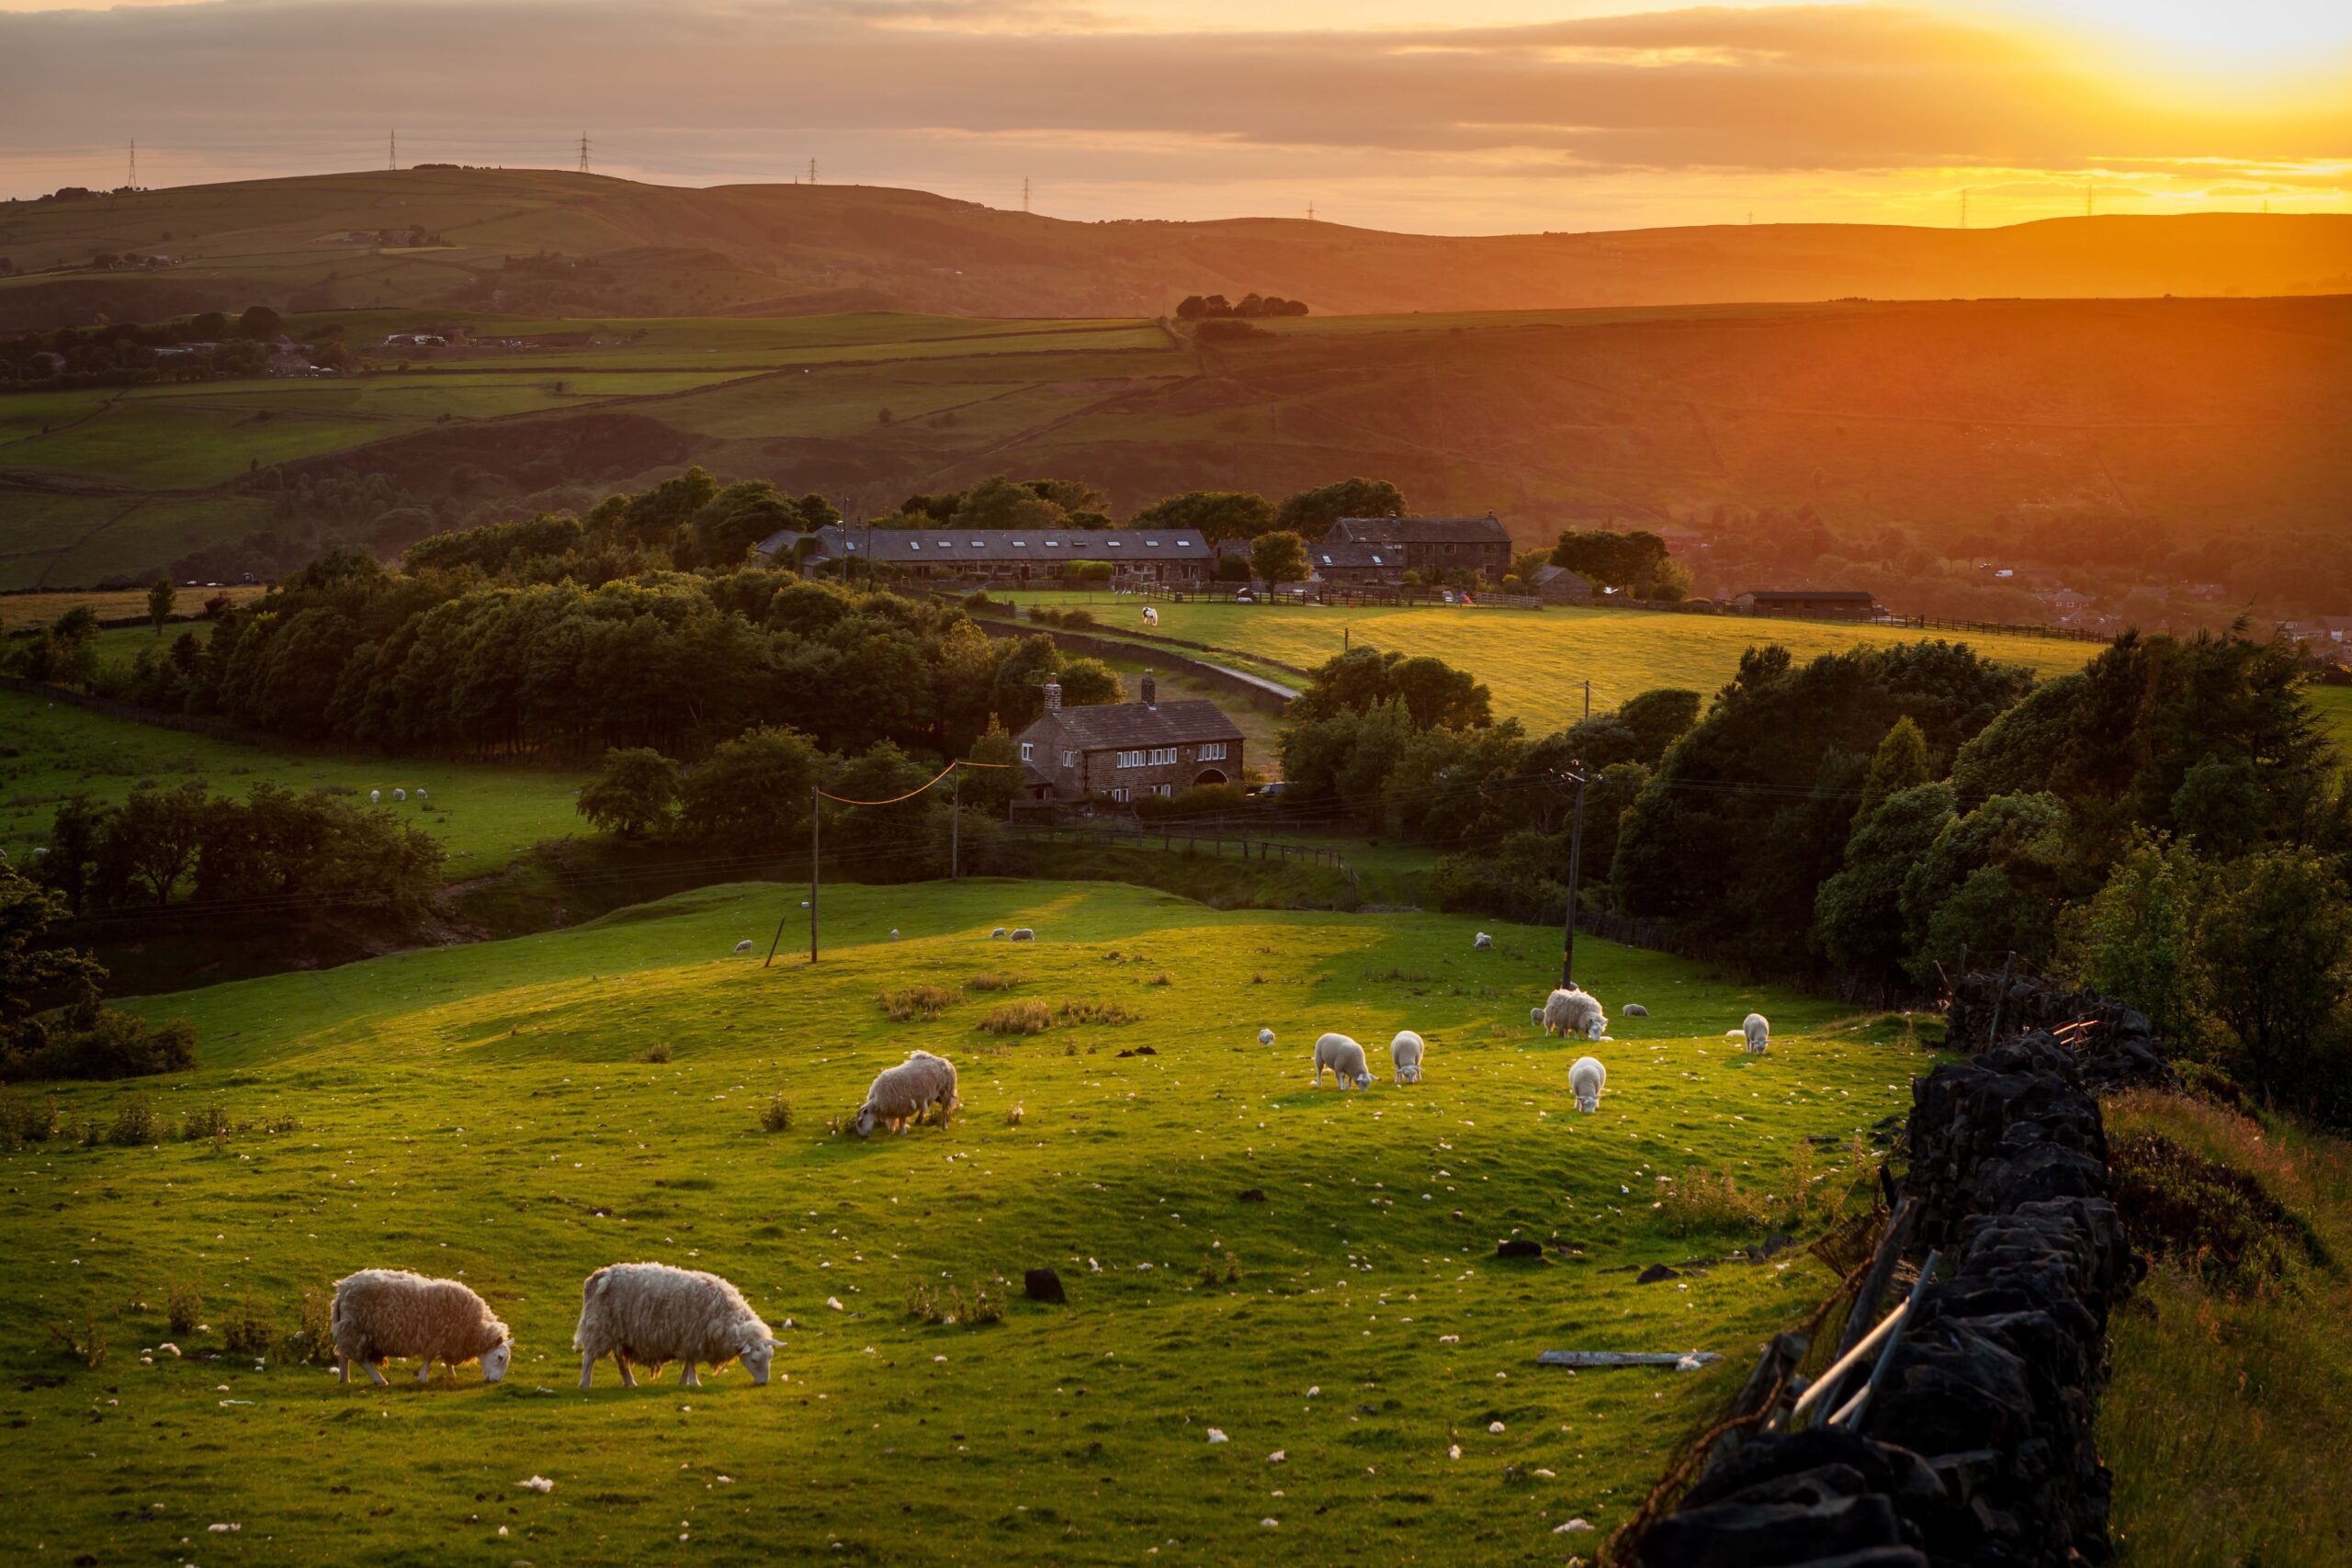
{"type": "Point", "coordinates": [1587, 699]}
{"type": "Point", "coordinates": [1025, 193]}
{"type": "Point", "coordinates": [1310, 211]}
{"type": "Point", "coordinates": [132, 181]}
{"type": "Point", "coordinates": [392, 150]}
{"type": "Point", "coordinates": [1576, 867]}
{"type": "Point", "coordinates": [812, 170]}
{"type": "Point", "coordinates": [956, 828]}
{"type": "Point", "coordinates": [815, 825]}
{"type": "Point", "coordinates": [583, 152]}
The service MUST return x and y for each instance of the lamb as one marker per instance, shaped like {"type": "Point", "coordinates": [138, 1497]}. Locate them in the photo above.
{"type": "Point", "coordinates": [1572, 1011]}
{"type": "Point", "coordinates": [1481, 942]}
{"type": "Point", "coordinates": [1586, 1080]}
{"type": "Point", "coordinates": [1023, 933]}
{"type": "Point", "coordinates": [1265, 1037]}
{"type": "Point", "coordinates": [744, 945]}
{"type": "Point", "coordinates": [1636, 1009]}
{"type": "Point", "coordinates": [902, 1094]}
{"type": "Point", "coordinates": [894, 934]}
{"type": "Point", "coordinates": [1535, 1017]}
{"type": "Point", "coordinates": [420, 795]}
{"type": "Point", "coordinates": [1150, 615]}
{"type": "Point", "coordinates": [381, 1313]}
{"type": "Point", "coordinates": [997, 935]}
{"type": "Point", "coordinates": [375, 797]}
{"type": "Point", "coordinates": [399, 794]}
{"type": "Point", "coordinates": [1759, 1031]}
{"type": "Point", "coordinates": [653, 1314]}
{"type": "Point", "coordinates": [1405, 1054]}
{"type": "Point", "coordinates": [1345, 1058]}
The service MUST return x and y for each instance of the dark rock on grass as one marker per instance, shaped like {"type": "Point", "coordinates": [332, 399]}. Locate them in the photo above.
{"type": "Point", "coordinates": [1655, 1272]}
{"type": "Point", "coordinates": [1518, 1246]}
{"type": "Point", "coordinates": [1255, 1195]}
{"type": "Point", "coordinates": [1043, 1285]}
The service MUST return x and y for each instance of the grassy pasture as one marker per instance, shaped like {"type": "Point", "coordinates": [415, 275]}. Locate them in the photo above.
{"type": "Point", "coordinates": [1537, 660]}
{"type": "Point", "coordinates": [21, 610]}
{"type": "Point", "coordinates": [484, 815]}
{"type": "Point", "coordinates": [480, 1110]}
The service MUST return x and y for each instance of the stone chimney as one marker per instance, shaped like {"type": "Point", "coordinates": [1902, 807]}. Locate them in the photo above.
{"type": "Point", "coordinates": [1053, 696]}
{"type": "Point", "coordinates": [1150, 690]}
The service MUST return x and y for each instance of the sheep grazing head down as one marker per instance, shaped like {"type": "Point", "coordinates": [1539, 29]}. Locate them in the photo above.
{"type": "Point", "coordinates": [757, 1354]}
{"type": "Point", "coordinates": [496, 1359]}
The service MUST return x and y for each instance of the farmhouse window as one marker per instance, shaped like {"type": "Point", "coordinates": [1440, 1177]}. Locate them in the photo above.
{"type": "Point", "coordinates": [1120, 794]}
{"type": "Point", "coordinates": [1213, 752]}
{"type": "Point", "coordinates": [1027, 749]}
{"type": "Point", "coordinates": [1070, 759]}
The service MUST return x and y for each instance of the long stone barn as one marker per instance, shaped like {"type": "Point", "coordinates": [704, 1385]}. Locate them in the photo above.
{"type": "Point", "coordinates": [1138, 558]}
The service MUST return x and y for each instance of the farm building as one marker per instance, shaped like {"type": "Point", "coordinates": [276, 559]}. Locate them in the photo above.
{"type": "Point", "coordinates": [1841, 603]}
{"type": "Point", "coordinates": [1127, 751]}
{"type": "Point", "coordinates": [1558, 585]}
{"type": "Point", "coordinates": [1367, 566]}
{"type": "Point", "coordinates": [1431, 544]}
{"type": "Point", "coordinates": [1138, 557]}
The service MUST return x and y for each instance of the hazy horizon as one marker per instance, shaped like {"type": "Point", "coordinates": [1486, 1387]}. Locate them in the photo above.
{"type": "Point", "coordinates": [1509, 117]}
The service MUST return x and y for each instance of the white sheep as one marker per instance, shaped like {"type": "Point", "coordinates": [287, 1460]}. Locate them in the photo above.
{"type": "Point", "coordinates": [399, 794]}
{"type": "Point", "coordinates": [1265, 1037]}
{"type": "Point", "coordinates": [894, 934]}
{"type": "Point", "coordinates": [375, 797]}
{"type": "Point", "coordinates": [1636, 1009]}
{"type": "Point", "coordinates": [1535, 1017]}
{"type": "Point", "coordinates": [901, 1095]}
{"type": "Point", "coordinates": [1023, 933]}
{"type": "Point", "coordinates": [420, 795]}
{"type": "Point", "coordinates": [1481, 942]}
{"type": "Point", "coordinates": [995, 935]}
{"type": "Point", "coordinates": [653, 1314]}
{"type": "Point", "coordinates": [744, 945]}
{"type": "Point", "coordinates": [1572, 1011]}
{"type": "Point", "coordinates": [1345, 1058]}
{"type": "Point", "coordinates": [381, 1313]}
{"type": "Point", "coordinates": [1405, 1054]}
{"type": "Point", "coordinates": [1759, 1031]}
{"type": "Point", "coordinates": [1586, 1080]}
{"type": "Point", "coordinates": [1150, 615]}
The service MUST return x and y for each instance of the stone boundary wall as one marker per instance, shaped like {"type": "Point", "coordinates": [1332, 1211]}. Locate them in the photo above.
{"type": "Point", "coordinates": [1978, 1447]}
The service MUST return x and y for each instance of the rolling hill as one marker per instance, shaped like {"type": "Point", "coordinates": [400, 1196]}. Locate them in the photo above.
{"type": "Point", "coordinates": [449, 237]}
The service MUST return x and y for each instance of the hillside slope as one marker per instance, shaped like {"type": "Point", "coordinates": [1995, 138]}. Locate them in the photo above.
{"type": "Point", "coordinates": [321, 241]}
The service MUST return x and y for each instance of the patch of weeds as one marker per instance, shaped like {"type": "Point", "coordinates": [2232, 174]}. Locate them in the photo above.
{"type": "Point", "coordinates": [994, 980]}
{"type": "Point", "coordinates": [1029, 1017]}
{"type": "Point", "coordinates": [183, 1305]}
{"type": "Point", "coordinates": [2222, 1222]}
{"type": "Point", "coordinates": [948, 1303]}
{"type": "Point", "coordinates": [207, 1121]}
{"type": "Point", "coordinates": [1162, 978]}
{"type": "Point", "coordinates": [85, 1341]}
{"type": "Point", "coordinates": [248, 1330]}
{"type": "Point", "coordinates": [775, 1116]}
{"type": "Point", "coordinates": [23, 1120]}
{"type": "Point", "coordinates": [1711, 1201]}
{"type": "Point", "coordinates": [924, 1002]}
{"type": "Point", "coordinates": [135, 1123]}
{"type": "Point", "coordinates": [313, 1339]}
{"type": "Point", "coordinates": [1076, 1011]}
{"type": "Point", "coordinates": [657, 1053]}
{"type": "Point", "coordinates": [1395, 976]}
{"type": "Point", "coordinates": [1012, 1117]}
{"type": "Point", "coordinates": [1220, 1267]}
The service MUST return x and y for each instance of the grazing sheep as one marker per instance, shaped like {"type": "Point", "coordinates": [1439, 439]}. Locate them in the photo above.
{"type": "Point", "coordinates": [1481, 942]}
{"type": "Point", "coordinates": [420, 795]}
{"type": "Point", "coordinates": [653, 1314]}
{"type": "Point", "coordinates": [1265, 1037]}
{"type": "Point", "coordinates": [1150, 615]}
{"type": "Point", "coordinates": [1586, 1080]}
{"type": "Point", "coordinates": [1535, 1017]}
{"type": "Point", "coordinates": [399, 794]}
{"type": "Point", "coordinates": [1636, 1009]}
{"type": "Point", "coordinates": [375, 797]}
{"type": "Point", "coordinates": [1023, 933]}
{"type": "Point", "coordinates": [1345, 1058]}
{"type": "Point", "coordinates": [1572, 1011]}
{"type": "Point", "coordinates": [1759, 1031]}
{"type": "Point", "coordinates": [997, 935]}
{"type": "Point", "coordinates": [902, 1094]}
{"type": "Point", "coordinates": [381, 1313]}
{"type": "Point", "coordinates": [1405, 1054]}
{"type": "Point", "coordinates": [744, 945]}
{"type": "Point", "coordinates": [894, 934]}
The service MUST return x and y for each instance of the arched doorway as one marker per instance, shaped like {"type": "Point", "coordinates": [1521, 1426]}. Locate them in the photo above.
{"type": "Point", "coordinates": [1208, 776]}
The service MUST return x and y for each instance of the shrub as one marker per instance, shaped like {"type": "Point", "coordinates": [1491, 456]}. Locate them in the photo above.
{"type": "Point", "coordinates": [775, 1116]}
{"type": "Point", "coordinates": [993, 981]}
{"type": "Point", "coordinates": [657, 1053]}
{"type": "Point", "coordinates": [110, 1045]}
{"type": "Point", "coordinates": [183, 1305]}
{"type": "Point", "coordinates": [248, 1330]}
{"type": "Point", "coordinates": [1075, 1011]}
{"type": "Point", "coordinates": [927, 1002]}
{"type": "Point", "coordinates": [312, 1340]}
{"type": "Point", "coordinates": [1029, 1017]}
{"type": "Point", "coordinates": [2222, 1222]}
{"type": "Point", "coordinates": [84, 1341]}
{"type": "Point", "coordinates": [135, 1123]}
{"type": "Point", "coordinates": [23, 1120]}
{"type": "Point", "coordinates": [1710, 1200]}
{"type": "Point", "coordinates": [1162, 978]}
{"type": "Point", "coordinates": [1077, 620]}
{"type": "Point", "coordinates": [205, 1122]}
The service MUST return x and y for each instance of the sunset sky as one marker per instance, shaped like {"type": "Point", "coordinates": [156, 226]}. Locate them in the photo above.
{"type": "Point", "coordinates": [1483, 116]}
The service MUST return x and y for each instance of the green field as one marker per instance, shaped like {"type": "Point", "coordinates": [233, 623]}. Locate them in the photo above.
{"type": "Point", "coordinates": [485, 815]}
{"type": "Point", "coordinates": [479, 1110]}
{"type": "Point", "coordinates": [1536, 661]}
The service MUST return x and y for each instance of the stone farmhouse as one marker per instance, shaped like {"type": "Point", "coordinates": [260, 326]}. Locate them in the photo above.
{"type": "Point", "coordinates": [1126, 751]}
{"type": "Point", "coordinates": [1429, 544]}
{"type": "Point", "coordinates": [1138, 558]}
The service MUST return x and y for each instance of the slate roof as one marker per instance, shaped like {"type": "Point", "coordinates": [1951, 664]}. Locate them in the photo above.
{"type": "Point", "coordinates": [1331, 553]}
{"type": "Point", "coordinates": [1486, 530]}
{"type": "Point", "coordinates": [1110, 727]}
{"type": "Point", "coordinates": [944, 546]}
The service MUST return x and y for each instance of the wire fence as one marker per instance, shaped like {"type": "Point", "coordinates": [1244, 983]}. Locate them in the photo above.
{"type": "Point", "coordinates": [1183, 840]}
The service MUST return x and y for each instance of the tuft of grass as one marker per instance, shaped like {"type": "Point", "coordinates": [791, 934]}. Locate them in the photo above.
{"type": "Point", "coordinates": [1029, 1016]}
{"type": "Point", "coordinates": [657, 1053]}
{"type": "Point", "coordinates": [23, 1120]}
{"type": "Point", "coordinates": [311, 1342]}
{"type": "Point", "coordinates": [775, 1116]}
{"type": "Point", "coordinates": [135, 1123]}
{"type": "Point", "coordinates": [248, 1330]}
{"type": "Point", "coordinates": [994, 980]}
{"type": "Point", "coordinates": [912, 1002]}
{"type": "Point", "coordinates": [1162, 978]}
{"type": "Point", "coordinates": [1220, 1266]}
{"type": "Point", "coordinates": [183, 1304]}
{"type": "Point", "coordinates": [1075, 1010]}
{"type": "Point", "coordinates": [85, 1340]}
{"type": "Point", "coordinates": [1704, 1202]}
{"type": "Point", "coordinates": [1012, 1117]}
{"type": "Point", "coordinates": [205, 1123]}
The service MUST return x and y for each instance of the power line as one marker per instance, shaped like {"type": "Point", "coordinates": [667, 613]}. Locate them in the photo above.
{"type": "Point", "coordinates": [132, 181]}
{"type": "Point", "coordinates": [583, 152]}
{"type": "Point", "coordinates": [392, 150]}
{"type": "Point", "coordinates": [1025, 193]}
{"type": "Point", "coordinates": [812, 170]}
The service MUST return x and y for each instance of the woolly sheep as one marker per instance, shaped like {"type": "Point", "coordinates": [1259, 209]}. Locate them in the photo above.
{"type": "Point", "coordinates": [894, 934]}
{"type": "Point", "coordinates": [1759, 1031]}
{"type": "Point", "coordinates": [1150, 615]}
{"type": "Point", "coordinates": [1636, 1009]}
{"type": "Point", "coordinates": [381, 1313]}
{"type": "Point", "coordinates": [902, 1094]}
{"type": "Point", "coordinates": [653, 1314]}
{"type": "Point", "coordinates": [1586, 1080]}
{"type": "Point", "coordinates": [1345, 1058]}
{"type": "Point", "coordinates": [1405, 1053]}
{"type": "Point", "coordinates": [375, 797]}
{"type": "Point", "coordinates": [399, 794]}
{"type": "Point", "coordinates": [1535, 1017]}
{"type": "Point", "coordinates": [1023, 933]}
{"type": "Point", "coordinates": [1265, 1037]}
{"type": "Point", "coordinates": [420, 791]}
{"type": "Point", "coordinates": [997, 935]}
{"type": "Point", "coordinates": [744, 945]}
{"type": "Point", "coordinates": [1482, 942]}
{"type": "Point", "coordinates": [1572, 1011]}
